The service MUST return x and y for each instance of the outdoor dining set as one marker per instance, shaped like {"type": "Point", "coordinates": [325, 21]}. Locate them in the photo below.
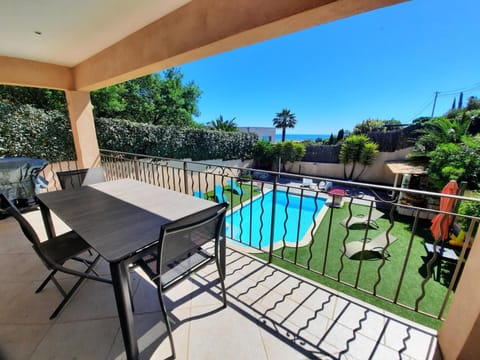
{"type": "Point", "coordinates": [130, 225]}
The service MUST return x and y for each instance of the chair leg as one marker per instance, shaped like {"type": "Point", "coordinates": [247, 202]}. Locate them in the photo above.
{"type": "Point", "coordinates": [74, 288]}
{"type": "Point", "coordinates": [167, 322]}
{"type": "Point", "coordinates": [222, 282]}
{"type": "Point", "coordinates": [66, 298]}
{"type": "Point", "coordinates": [45, 282]}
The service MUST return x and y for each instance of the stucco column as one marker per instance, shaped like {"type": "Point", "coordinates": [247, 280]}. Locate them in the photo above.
{"type": "Point", "coordinates": [83, 128]}
{"type": "Point", "coordinates": [459, 336]}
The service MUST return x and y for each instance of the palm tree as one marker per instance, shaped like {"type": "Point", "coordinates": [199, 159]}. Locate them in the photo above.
{"type": "Point", "coordinates": [284, 120]}
{"type": "Point", "coordinates": [436, 131]}
{"type": "Point", "coordinates": [357, 149]}
{"type": "Point", "coordinates": [223, 125]}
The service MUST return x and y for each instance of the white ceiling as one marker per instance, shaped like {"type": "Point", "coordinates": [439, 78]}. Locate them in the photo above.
{"type": "Point", "coordinates": [73, 30]}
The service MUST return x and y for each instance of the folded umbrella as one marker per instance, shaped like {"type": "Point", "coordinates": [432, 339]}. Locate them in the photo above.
{"type": "Point", "coordinates": [441, 222]}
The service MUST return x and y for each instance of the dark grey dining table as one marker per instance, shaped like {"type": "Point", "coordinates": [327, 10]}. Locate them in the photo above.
{"type": "Point", "coordinates": [119, 219]}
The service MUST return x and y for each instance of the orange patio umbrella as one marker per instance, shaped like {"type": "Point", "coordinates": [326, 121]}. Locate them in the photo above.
{"type": "Point", "coordinates": [441, 222]}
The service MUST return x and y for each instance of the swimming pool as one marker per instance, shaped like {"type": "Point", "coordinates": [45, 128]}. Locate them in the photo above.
{"type": "Point", "coordinates": [238, 223]}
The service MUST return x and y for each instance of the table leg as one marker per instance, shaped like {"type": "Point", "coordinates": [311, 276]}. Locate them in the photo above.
{"type": "Point", "coordinates": [119, 272]}
{"type": "Point", "coordinates": [47, 220]}
{"type": "Point", "coordinates": [222, 252]}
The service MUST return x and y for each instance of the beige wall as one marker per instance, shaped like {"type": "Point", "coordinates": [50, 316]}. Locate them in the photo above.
{"type": "Point", "coordinates": [377, 173]}
{"type": "Point", "coordinates": [459, 336]}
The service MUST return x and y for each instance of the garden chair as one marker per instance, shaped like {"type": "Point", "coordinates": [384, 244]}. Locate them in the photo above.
{"type": "Point", "coordinates": [219, 195]}
{"type": "Point", "coordinates": [54, 253]}
{"type": "Point", "coordinates": [183, 248]}
{"type": "Point", "coordinates": [71, 178]}
{"type": "Point", "coordinates": [369, 249]}
{"type": "Point", "coordinates": [363, 220]}
{"type": "Point", "coordinates": [94, 175]}
{"type": "Point", "coordinates": [308, 183]}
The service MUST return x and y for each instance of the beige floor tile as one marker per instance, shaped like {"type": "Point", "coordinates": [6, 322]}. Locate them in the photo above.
{"type": "Point", "coordinates": [152, 339]}
{"type": "Point", "coordinates": [92, 300]}
{"type": "Point", "coordinates": [22, 268]}
{"type": "Point", "coordinates": [20, 304]}
{"type": "Point", "coordinates": [280, 346]}
{"type": "Point", "coordinates": [225, 334]}
{"type": "Point", "coordinates": [20, 341]}
{"type": "Point", "coordinates": [78, 340]}
{"type": "Point", "coordinates": [383, 352]}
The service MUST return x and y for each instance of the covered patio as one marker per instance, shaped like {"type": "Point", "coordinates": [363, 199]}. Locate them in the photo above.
{"type": "Point", "coordinates": [83, 46]}
{"type": "Point", "coordinates": [271, 314]}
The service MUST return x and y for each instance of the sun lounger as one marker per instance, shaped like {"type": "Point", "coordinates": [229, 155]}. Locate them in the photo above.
{"type": "Point", "coordinates": [219, 195]}
{"type": "Point", "coordinates": [235, 187]}
{"type": "Point", "coordinates": [370, 249]}
{"type": "Point", "coordinates": [199, 194]}
{"type": "Point", "coordinates": [325, 185]}
{"type": "Point", "coordinates": [308, 183]}
{"type": "Point", "coordinates": [363, 220]}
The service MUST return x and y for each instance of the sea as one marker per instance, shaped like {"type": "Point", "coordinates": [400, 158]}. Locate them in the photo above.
{"type": "Point", "coordinates": [300, 137]}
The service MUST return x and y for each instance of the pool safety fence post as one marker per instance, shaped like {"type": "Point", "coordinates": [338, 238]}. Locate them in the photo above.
{"type": "Point", "coordinates": [272, 223]}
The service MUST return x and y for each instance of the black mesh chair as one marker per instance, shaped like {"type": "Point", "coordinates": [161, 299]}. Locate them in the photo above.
{"type": "Point", "coordinates": [185, 246]}
{"type": "Point", "coordinates": [71, 178]}
{"type": "Point", "coordinates": [55, 252]}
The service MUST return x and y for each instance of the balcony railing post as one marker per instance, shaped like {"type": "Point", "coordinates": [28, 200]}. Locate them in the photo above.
{"type": "Point", "coordinates": [272, 224]}
{"type": "Point", "coordinates": [185, 177]}
{"type": "Point", "coordinates": [135, 165]}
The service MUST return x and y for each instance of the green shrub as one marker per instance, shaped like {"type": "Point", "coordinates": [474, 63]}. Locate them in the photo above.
{"type": "Point", "coordinates": [27, 131]}
{"type": "Point", "coordinates": [174, 142]}
{"type": "Point", "coordinates": [470, 208]}
{"type": "Point", "coordinates": [30, 132]}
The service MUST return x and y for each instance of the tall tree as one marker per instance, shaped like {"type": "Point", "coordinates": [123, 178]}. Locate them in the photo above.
{"type": "Point", "coordinates": [156, 99]}
{"type": "Point", "coordinates": [283, 120]}
{"type": "Point", "coordinates": [460, 100]}
{"type": "Point", "coordinates": [223, 125]}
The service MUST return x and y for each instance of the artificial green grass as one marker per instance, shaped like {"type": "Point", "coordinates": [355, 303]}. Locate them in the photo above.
{"type": "Point", "coordinates": [331, 263]}
{"type": "Point", "coordinates": [235, 199]}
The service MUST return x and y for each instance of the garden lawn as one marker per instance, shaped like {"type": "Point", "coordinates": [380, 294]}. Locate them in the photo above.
{"type": "Point", "coordinates": [234, 199]}
{"type": "Point", "coordinates": [383, 277]}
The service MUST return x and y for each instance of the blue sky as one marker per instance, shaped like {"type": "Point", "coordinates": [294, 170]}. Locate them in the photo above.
{"type": "Point", "coordinates": [384, 64]}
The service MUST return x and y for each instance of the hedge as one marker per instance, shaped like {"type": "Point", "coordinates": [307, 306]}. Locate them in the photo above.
{"type": "Point", "coordinates": [322, 153]}
{"type": "Point", "coordinates": [31, 132]}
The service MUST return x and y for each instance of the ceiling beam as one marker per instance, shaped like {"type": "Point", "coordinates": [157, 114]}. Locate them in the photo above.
{"type": "Point", "coordinates": [22, 72]}
{"type": "Point", "coordinates": [199, 29]}
{"type": "Point", "coordinates": [207, 27]}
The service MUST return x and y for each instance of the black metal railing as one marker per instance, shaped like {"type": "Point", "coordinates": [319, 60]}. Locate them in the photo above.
{"type": "Point", "coordinates": [373, 238]}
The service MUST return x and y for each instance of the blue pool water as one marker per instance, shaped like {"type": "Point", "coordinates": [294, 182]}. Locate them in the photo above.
{"type": "Point", "coordinates": [238, 223]}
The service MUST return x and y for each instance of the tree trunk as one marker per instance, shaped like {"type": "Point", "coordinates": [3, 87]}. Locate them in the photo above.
{"type": "Point", "coordinates": [283, 134]}
{"type": "Point", "coordinates": [353, 169]}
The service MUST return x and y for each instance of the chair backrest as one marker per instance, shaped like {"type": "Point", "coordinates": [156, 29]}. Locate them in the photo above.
{"type": "Point", "coordinates": [72, 178]}
{"type": "Point", "coordinates": [185, 236]}
{"type": "Point", "coordinates": [27, 229]}
{"type": "Point", "coordinates": [94, 175]}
